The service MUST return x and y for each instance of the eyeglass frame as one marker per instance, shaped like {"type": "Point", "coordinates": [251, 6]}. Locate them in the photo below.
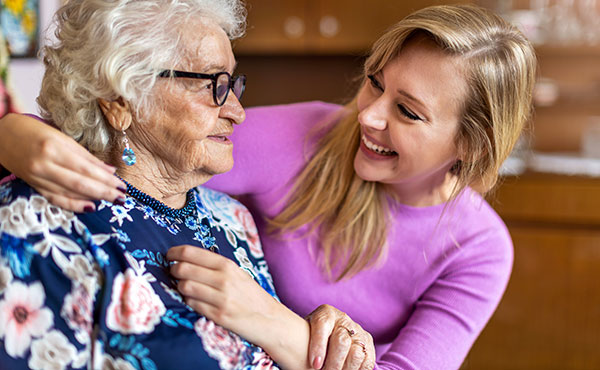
{"type": "Point", "coordinates": [214, 77]}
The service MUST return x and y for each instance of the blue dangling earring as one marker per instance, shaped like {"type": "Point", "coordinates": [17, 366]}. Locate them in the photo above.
{"type": "Point", "coordinates": [128, 154]}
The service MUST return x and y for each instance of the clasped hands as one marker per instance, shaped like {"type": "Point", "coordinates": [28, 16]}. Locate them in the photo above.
{"type": "Point", "coordinates": [219, 289]}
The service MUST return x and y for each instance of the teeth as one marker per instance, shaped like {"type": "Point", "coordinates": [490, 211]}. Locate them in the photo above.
{"type": "Point", "coordinates": [377, 148]}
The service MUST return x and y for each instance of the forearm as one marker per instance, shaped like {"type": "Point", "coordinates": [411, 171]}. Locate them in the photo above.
{"type": "Point", "coordinates": [284, 336]}
{"type": "Point", "coordinates": [3, 146]}
{"type": "Point", "coordinates": [17, 132]}
{"type": "Point", "coordinates": [219, 289]}
{"type": "Point", "coordinates": [7, 125]}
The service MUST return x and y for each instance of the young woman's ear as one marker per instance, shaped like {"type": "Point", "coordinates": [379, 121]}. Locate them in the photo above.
{"type": "Point", "coordinates": [455, 169]}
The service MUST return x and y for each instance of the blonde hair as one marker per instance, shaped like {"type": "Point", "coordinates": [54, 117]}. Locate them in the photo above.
{"type": "Point", "coordinates": [350, 214]}
{"type": "Point", "coordinates": [113, 48]}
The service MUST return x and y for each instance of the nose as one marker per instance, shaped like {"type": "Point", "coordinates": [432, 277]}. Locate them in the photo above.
{"type": "Point", "coordinates": [233, 110]}
{"type": "Point", "coordinates": [374, 115]}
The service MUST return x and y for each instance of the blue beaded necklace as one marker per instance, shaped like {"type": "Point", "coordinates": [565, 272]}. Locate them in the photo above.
{"type": "Point", "coordinates": [188, 210]}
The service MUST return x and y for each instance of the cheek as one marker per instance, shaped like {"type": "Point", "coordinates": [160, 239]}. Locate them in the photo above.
{"type": "Point", "coordinates": [449, 142]}
{"type": "Point", "coordinates": [204, 123]}
{"type": "Point", "coordinates": [194, 121]}
{"type": "Point", "coordinates": [186, 138]}
{"type": "Point", "coordinates": [405, 138]}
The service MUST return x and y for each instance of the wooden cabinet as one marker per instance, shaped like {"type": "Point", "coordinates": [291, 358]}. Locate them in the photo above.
{"type": "Point", "coordinates": [274, 26]}
{"type": "Point", "coordinates": [360, 22]}
{"type": "Point", "coordinates": [321, 26]}
{"type": "Point", "coordinates": [549, 317]}
{"type": "Point", "coordinates": [574, 72]}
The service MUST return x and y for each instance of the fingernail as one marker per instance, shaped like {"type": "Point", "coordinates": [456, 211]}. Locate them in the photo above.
{"type": "Point", "coordinates": [318, 362]}
{"type": "Point", "coordinates": [119, 201]}
{"type": "Point", "coordinates": [89, 209]}
{"type": "Point", "coordinates": [122, 189]}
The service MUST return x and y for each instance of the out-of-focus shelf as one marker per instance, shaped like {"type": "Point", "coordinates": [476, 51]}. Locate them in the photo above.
{"type": "Point", "coordinates": [568, 51]}
{"type": "Point", "coordinates": [566, 106]}
{"type": "Point", "coordinates": [549, 198]}
{"type": "Point", "coordinates": [571, 87]}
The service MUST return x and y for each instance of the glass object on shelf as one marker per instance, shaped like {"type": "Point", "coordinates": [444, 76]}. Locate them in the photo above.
{"type": "Point", "coordinates": [530, 23]}
{"type": "Point", "coordinates": [567, 25]}
{"type": "Point", "coordinates": [546, 92]}
{"type": "Point", "coordinates": [589, 12]}
{"type": "Point", "coordinates": [564, 163]}
{"type": "Point", "coordinates": [293, 27]}
{"type": "Point", "coordinates": [329, 26]}
{"type": "Point", "coordinates": [552, 22]}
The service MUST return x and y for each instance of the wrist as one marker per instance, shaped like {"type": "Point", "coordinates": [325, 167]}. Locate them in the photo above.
{"type": "Point", "coordinates": [285, 337]}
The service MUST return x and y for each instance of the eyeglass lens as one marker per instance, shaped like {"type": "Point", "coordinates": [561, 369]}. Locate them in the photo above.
{"type": "Point", "coordinates": [238, 86]}
{"type": "Point", "coordinates": [223, 85]}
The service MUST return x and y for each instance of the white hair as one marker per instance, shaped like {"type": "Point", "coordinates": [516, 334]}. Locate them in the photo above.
{"type": "Point", "coordinates": [113, 48]}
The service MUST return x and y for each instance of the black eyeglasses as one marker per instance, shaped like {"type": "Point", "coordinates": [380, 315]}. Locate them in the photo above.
{"type": "Point", "coordinates": [222, 82]}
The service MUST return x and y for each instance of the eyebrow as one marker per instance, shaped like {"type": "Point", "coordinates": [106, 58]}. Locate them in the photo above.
{"type": "Point", "coordinates": [219, 67]}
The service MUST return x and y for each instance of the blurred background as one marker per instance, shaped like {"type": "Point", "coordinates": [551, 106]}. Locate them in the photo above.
{"type": "Point", "coordinates": [549, 196]}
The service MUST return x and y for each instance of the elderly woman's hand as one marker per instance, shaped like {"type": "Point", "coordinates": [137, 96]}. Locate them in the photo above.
{"type": "Point", "coordinates": [337, 342]}
{"type": "Point", "coordinates": [55, 164]}
{"type": "Point", "coordinates": [219, 289]}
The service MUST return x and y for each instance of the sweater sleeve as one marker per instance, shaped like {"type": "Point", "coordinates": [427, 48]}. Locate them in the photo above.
{"type": "Point", "coordinates": [271, 146]}
{"type": "Point", "coordinates": [450, 315]}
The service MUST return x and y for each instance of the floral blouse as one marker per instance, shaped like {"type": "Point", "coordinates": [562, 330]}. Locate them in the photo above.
{"type": "Point", "coordinates": [93, 290]}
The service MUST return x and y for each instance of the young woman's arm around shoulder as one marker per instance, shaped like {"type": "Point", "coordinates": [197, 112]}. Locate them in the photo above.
{"type": "Point", "coordinates": [55, 165]}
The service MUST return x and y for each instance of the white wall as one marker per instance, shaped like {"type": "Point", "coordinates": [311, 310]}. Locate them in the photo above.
{"type": "Point", "coordinates": [26, 73]}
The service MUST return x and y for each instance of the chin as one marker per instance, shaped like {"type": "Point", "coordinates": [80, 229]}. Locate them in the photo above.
{"type": "Point", "coordinates": [216, 170]}
{"type": "Point", "coordinates": [211, 162]}
{"type": "Point", "coordinates": [365, 172]}
{"type": "Point", "coordinates": [368, 176]}
{"type": "Point", "coordinates": [221, 167]}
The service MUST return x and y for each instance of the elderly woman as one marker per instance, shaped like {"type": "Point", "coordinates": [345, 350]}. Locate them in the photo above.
{"type": "Point", "coordinates": [381, 214]}
{"type": "Point", "coordinates": [146, 86]}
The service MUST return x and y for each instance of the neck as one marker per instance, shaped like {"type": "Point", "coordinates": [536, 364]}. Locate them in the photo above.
{"type": "Point", "coordinates": [437, 190]}
{"type": "Point", "coordinates": [158, 179]}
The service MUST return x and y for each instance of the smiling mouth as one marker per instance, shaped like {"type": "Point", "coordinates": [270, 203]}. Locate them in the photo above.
{"type": "Point", "coordinates": [377, 148]}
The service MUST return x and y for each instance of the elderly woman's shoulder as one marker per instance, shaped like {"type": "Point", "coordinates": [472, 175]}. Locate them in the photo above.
{"type": "Point", "coordinates": [224, 209]}
{"type": "Point", "coordinates": [210, 197]}
{"type": "Point", "coordinates": [25, 213]}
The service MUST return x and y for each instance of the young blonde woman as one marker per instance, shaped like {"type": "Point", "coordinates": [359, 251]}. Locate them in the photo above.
{"type": "Point", "coordinates": [375, 208]}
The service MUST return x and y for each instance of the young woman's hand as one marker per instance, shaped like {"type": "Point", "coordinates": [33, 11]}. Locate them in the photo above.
{"type": "Point", "coordinates": [337, 342]}
{"type": "Point", "coordinates": [56, 165]}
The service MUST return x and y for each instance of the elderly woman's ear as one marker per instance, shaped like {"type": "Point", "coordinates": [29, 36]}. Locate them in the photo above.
{"type": "Point", "coordinates": [117, 113]}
